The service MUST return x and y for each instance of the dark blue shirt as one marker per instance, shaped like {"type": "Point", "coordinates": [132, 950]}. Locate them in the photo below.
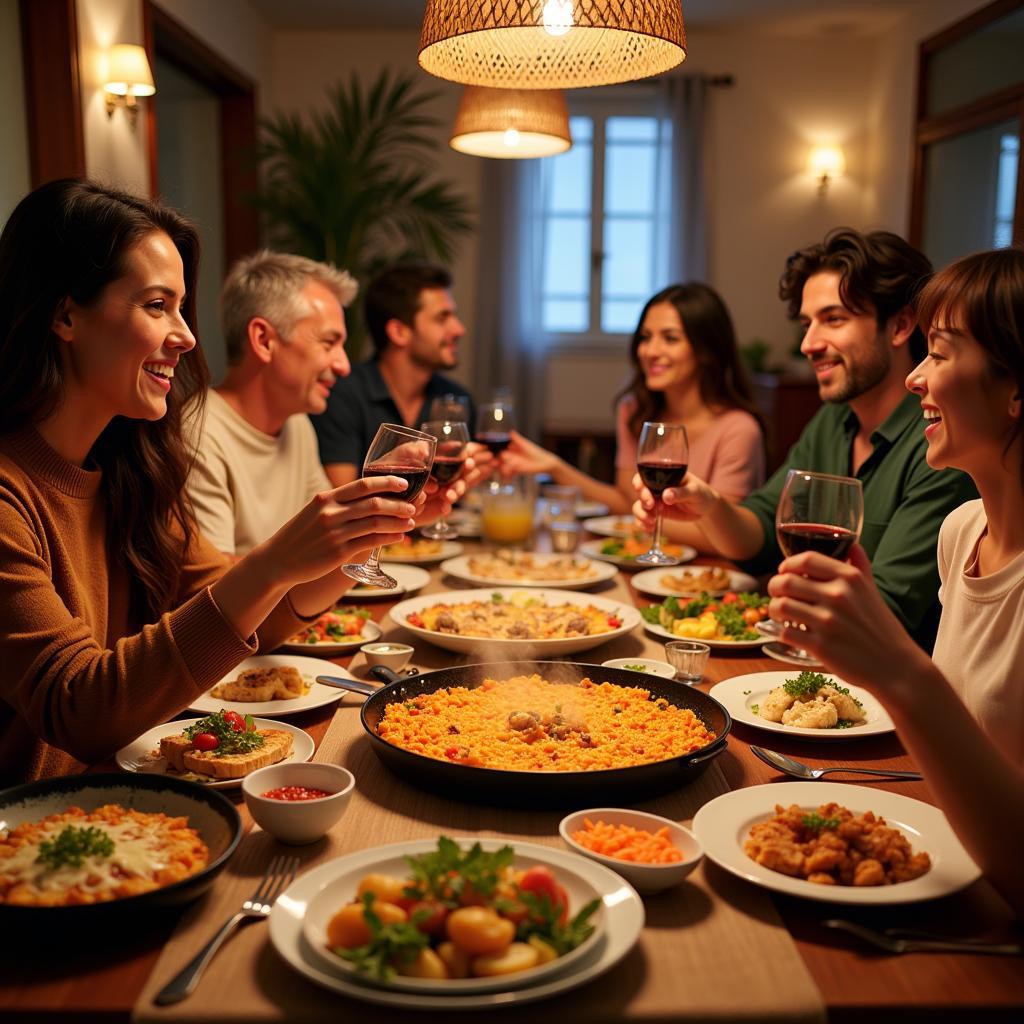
{"type": "Point", "coordinates": [360, 403]}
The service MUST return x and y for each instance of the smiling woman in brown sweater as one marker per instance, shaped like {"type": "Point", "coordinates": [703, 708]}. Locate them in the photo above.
{"type": "Point", "coordinates": [115, 613]}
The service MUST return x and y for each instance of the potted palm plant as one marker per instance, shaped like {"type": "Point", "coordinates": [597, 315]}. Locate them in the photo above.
{"type": "Point", "coordinates": [352, 184]}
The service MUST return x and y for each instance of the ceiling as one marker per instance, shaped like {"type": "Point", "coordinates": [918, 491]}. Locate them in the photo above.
{"type": "Point", "coordinates": [791, 16]}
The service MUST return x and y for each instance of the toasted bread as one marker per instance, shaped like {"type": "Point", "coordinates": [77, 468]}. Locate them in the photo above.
{"type": "Point", "coordinates": [173, 749]}
{"type": "Point", "coordinates": [277, 747]}
{"type": "Point", "coordinates": [281, 682]}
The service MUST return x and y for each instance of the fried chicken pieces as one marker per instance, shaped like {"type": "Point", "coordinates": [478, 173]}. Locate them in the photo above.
{"type": "Point", "coordinates": [833, 846]}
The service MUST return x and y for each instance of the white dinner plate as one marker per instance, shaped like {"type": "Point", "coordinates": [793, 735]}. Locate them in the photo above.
{"type": "Point", "coordinates": [651, 581]}
{"type": "Point", "coordinates": [715, 645]}
{"type": "Point", "coordinates": [610, 526]}
{"type": "Point", "coordinates": [740, 693]}
{"type": "Point", "coordinates": [624, 913]}
{"type": "Point", "coordinates": [410, 579]}
{"type": "Point", "coordinates": [308, 668]}
{"type": "Point", "coordinates": [592, 549]}
{"type": "Point", "coordinates": [596, 572]}
{"type": "Point", "coordinates": [448, 549]}
{"type": "Point", "coordinates": [329, 648]}
{"type": "Point", "coordinates": [499, 650]}
{"type": "Point", "coordinates": [342, 890]}
{"type": "Point", "coordinates": [722, 826]}
{"type": "Point", "coordinates": [138, 755]}
{"type": "Point", "coordinates": [591, 509]}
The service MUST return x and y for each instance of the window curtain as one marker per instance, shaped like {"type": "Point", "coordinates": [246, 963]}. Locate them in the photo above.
{"type": "Point", "coordinates": [510, 343]}
{"type": "Point", "coordinates": [509, 340]}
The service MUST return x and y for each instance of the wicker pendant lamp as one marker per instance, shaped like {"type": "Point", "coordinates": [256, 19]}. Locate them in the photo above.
{"type": "Point", "coordinates": [511, 123]}
{"type": "Point", "coordinates": [550, 44]}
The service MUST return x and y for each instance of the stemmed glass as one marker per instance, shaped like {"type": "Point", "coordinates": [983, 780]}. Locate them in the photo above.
{"type": "Point", "coordinates": [662, 456]}
{"type": "Point", "coordinates": [395, 451]}
{"type": "Point", "coordinates": [818, 512]}
{"type": "Point", "coordinates": [449, 407]}
{"type": "Point", "coordinates": [452, 437]}
{"type": "Point", "coordinates": [494, 424]}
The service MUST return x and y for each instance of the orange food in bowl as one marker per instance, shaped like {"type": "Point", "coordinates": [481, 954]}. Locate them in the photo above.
{"type": "Point", "coordinates": [624, 842]}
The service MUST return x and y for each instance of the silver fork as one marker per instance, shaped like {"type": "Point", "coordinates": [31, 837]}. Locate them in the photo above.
{"type": "Point", "coordinates": [802, 771]}
{"type": "Point", "coordinates": [278, 876]}
{"type": "Point", "coordinates": [892, 944]}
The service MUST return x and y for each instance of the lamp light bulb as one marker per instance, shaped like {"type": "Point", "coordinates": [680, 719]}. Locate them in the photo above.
{"type": "Point", "coordinates": [557, 17]}
{"type": "Point", "coordinates": [511, 138]}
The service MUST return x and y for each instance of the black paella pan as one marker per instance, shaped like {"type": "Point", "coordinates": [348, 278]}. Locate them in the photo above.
{"type": "Point", "coordinates": [501, 787]}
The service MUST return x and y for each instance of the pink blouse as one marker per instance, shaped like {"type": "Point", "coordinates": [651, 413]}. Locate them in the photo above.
{"type": "Point", "coordinates": [729, 455]}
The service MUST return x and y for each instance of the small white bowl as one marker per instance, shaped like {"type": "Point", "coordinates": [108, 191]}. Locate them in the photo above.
{"type": "Point", "coordinates": [298, 821]}
{"type": "Point", "coordinates": [387, 653]}
{"type": "Point", "coordinates": [655, 668]}
{"type": "Point", "coordinates": [645, 878]}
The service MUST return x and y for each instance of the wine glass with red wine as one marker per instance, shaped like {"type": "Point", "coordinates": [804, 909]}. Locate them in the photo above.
{"type": "Point", "coordinates": [452, 437]}
{"type": "Point", "coordinates": [663, 454]}
{"type": "Point", "coordinates": [494, 424]}
{"type": "Point", "coordinates": [395, 451]}
{"type": "Point", "coordinates": [818, 512]}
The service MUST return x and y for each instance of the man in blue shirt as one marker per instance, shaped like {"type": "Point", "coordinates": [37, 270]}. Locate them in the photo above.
{"type": "Point", "coordinates": [416, 333]}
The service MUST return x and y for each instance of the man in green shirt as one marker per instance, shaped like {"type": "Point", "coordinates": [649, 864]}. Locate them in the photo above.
{"type": "Point", "coordinates": [853, 294]}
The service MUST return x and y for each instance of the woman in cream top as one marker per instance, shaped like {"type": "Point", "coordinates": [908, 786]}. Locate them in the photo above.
{"type": "Point", "coordinates": [960, 713]}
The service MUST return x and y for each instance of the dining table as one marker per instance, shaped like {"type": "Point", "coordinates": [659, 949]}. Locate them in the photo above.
{"type": "Point", "coordinates": [714, 948]}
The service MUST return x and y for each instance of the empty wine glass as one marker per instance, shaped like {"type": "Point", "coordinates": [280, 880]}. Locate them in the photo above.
{"type": "Point", "coordinates": [818, 512]}
{"type": "Point", "coordinates": [452, 437]}
{"type": "Point", "coordinates": [662, 457]}
{"type": "Point", "coordinates": [449, 407]}
{"type": "Point", "coordinates": [396, 451]}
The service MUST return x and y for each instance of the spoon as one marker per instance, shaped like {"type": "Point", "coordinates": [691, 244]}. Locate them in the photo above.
{"type": "Point", "coordinates": [803, 771]}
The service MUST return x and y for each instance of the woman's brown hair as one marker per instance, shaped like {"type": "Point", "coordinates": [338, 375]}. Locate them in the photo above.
{"type": "Point", "coordinates": [983, 296]}
{"type": "Point", "coordinates": [721, 376]}
{"type": "Point", "coordinates": [70, 239]}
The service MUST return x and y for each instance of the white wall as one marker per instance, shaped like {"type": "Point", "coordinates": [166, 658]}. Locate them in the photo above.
{"type": "Point", "coordinates": [14, 158]}
{"type": "Point", "coordinates": [306, 64]}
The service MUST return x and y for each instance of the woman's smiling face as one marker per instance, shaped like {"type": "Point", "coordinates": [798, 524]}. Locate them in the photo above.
{"type": "Point", "coordinates": [123, 348]}
{"type": "Point", "coordinates": [969, 411]}
{"type": "Point", "coordinates": [664, 352]}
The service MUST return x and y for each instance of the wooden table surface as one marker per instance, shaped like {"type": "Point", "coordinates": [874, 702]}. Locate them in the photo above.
{"type": "Point", "coordinates": [47, 979]}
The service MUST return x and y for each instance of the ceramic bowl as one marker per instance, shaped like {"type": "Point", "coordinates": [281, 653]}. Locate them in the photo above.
{"type": "Point", "coordinates": [645, 878]}
{"type": "Point", "coordinates": [387, 653]}
{"type": "Point", "coordinates": [650, 665]}
{"type": "Point", "coordinates": [298, 821]}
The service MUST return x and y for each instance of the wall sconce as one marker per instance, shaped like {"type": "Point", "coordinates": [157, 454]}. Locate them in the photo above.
{"type": "Point", "coordinates": [825, 164]}
{"type": "Point", "coordinates": [128, 76]}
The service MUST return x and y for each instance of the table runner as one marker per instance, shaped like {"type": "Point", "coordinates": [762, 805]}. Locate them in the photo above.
{"type": "Point", "coordinates": [713, 948]}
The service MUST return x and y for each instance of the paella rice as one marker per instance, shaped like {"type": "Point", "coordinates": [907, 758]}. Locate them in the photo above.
{"type": "Point", "coordinates": [527, 723]}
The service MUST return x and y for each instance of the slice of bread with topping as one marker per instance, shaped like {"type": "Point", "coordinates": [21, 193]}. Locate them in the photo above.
{"type": "Point", "coordinates": [276, 747]}
{"type": "Point", "coordinates": [280, 682]}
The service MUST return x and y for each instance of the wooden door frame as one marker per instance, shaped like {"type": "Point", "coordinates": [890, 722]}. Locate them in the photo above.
{"type": "Point", "coordinates": [171, 41]}
{"type": "Point", "coordinates": [989, 109]}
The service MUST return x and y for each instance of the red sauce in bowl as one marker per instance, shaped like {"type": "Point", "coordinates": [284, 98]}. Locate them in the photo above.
{"type": "Point", "coordinates": [295, 793]}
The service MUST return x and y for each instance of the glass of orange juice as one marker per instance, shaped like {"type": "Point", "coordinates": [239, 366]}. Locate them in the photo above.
{"type": "Point", "coordinates": [507, 513]}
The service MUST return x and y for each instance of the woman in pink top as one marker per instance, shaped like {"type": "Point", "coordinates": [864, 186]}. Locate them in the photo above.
{"type": "Point", "coordinates": [960, 712]}
{"type": "Point", "coordinates": [687, 370]}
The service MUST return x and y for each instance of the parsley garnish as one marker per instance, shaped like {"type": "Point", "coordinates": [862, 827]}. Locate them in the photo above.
{"type": "Point", "coordinates": [806, 684]}
{"type": "Point", "coordinates": [399, 942]}
{"type": "Point", "coordinates": [229, 741]}
{"type": "Point", "coordinates": [542, 921]}
{"type": "Point", "coordinates": [445, 873]}
{"type": "Point", "coordinates": [73, 845]}
{"type": "Point", "coordinates": [635, 668]}
{"type": "Point", "coordinates": [814, 822]}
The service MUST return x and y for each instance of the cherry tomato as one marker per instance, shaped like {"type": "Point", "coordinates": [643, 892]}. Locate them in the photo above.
{"type": "Point", "coordinates": [614, 621]}
{"type": "Point", "coordinates": [428, 916]}
{"type": "Point", "coordinates": [752, 615]}
{"type": "Point", "coordinates": [235, 720]}
{"type": "Point", "coordinates": [730, 598]}
{"type": "Point", "coordinates": [205, 741]}
{"type": "Point", "coordinates": [542, 883]}
{"type": "Point", "coordinates": [416, 620]}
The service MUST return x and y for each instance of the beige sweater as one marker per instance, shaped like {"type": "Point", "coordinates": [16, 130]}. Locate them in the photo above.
{"type": "Point", "coordinates": [980, 644]}
{"type": "Point", "coordinates": [82, 674]}
{"type": "Point", "coordinates": [245, 484]}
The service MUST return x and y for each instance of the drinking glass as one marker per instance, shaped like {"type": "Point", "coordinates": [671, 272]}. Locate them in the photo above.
{"type": "Point", "coordinates": [818, 512]}
{"type": "Point", "coordinates": [507, 514]}
{"type": "Point", "coordinates": [396, 451]}
{"type": "Point", "coordinates": [452, 437]}
{"type": "Point", "coordinates": [662, 456]}
{"type": "Point", "coordinates": [449, 407]}
{"type": "Point", "coordinates": [494, 423]}
{"type": "Point", "coordinates": [689, 658]}
{"type": "Point", "coordinates": [560, 517]}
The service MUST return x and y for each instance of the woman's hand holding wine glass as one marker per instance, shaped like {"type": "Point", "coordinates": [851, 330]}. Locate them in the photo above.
{"type": "Point", "coordinates": [817, 512]}
{"type": "Point", "coordinates": [402, 452]}
{"type": "Point", "coordinates": [663, 454]}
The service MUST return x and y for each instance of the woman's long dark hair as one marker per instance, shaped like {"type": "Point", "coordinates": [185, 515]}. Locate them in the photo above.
{"type": "Point", "coordinates": [70, 239]}
{"type": "Point", "coordinates": [721, 376]}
